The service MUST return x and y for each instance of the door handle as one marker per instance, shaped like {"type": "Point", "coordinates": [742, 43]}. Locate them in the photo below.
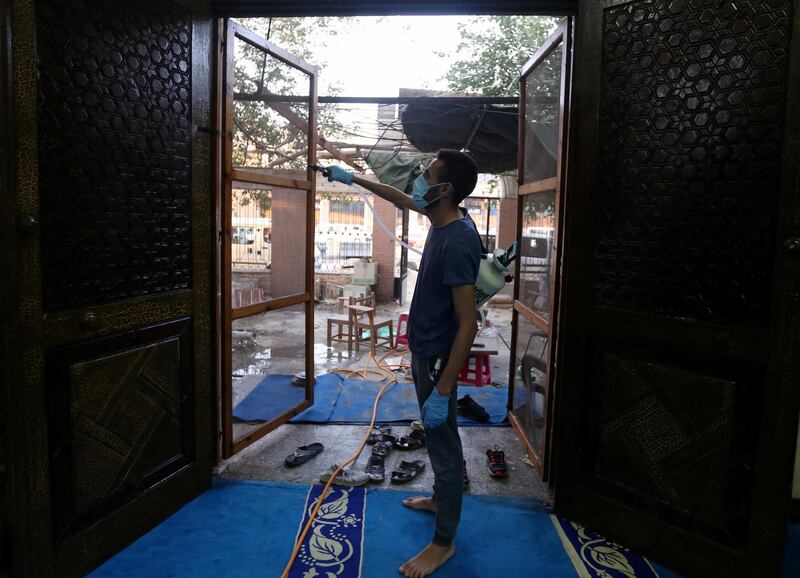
{"type": "Point", "coordinates": [28, 226]}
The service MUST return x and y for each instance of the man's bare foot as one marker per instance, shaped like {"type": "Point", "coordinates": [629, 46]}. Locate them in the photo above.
{"type": "Point", "coordinates": [427, 561]}
{"type": "Point", "coordinates": [420, 503]}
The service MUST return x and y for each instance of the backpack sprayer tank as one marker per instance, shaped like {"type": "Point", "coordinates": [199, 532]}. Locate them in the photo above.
{"type": "Point", "coordinates": [493, 273]}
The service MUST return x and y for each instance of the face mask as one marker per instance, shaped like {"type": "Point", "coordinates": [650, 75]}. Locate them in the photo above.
{"type": "Point", "coordinates": [421, 188]}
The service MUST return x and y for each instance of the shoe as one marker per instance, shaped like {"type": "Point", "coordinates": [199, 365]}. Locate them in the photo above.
{"type": "Point", "coordinates": [466, 477]}
{"type": "Point", "coordinates": [471, 409]}
{"type": "Point", "coordinates": [379, 434]}
{"type": "Point", "coordinates": [407, 471]}
{"type": "Point", "coordinates": [345, 477]}
{"type": "Point", "coordinates": [302, 454]}
{"type": "Point", "coordinates": [413, 441]}
{"type": "Point", "coordinates": [381, 449]}
{"type": "Point", "coordinates": [375, 469]}
{"type": "Point", "coordinates": [496, 459]}
{"type": "Point", "coordinates": [416, 425]}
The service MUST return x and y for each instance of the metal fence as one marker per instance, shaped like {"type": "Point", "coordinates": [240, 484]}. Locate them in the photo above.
{"type": "Point", "coordinates": [251, 229]}
{"type": "Point", "coordinates": [343, 229]}
{"type": "Point", "coordinates": [343, 232]}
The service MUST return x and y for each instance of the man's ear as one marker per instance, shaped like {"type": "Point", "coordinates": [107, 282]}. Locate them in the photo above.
{"type": "Point", "coordinates": [451, 192]}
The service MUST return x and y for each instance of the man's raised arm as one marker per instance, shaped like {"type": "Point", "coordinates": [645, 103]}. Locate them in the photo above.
{"type": "Point", "coordinates": [391, 194]}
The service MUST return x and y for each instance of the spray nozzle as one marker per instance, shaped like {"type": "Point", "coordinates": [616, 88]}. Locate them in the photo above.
{"type": "Point", "coordinates": [324, 170]}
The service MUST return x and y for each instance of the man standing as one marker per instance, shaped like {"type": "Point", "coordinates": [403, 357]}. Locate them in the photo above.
{"type": "Point", "coordinates": [441, 328]}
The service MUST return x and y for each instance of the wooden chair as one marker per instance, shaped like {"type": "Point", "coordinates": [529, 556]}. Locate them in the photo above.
{"type": "Point", "coordinates": [340, 329]}
{"type": "Point", "coordinates": [363, 319]}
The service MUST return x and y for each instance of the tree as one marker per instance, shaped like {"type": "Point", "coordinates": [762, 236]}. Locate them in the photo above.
{"type": "Point", "coordinates": [492, 51]}
{"type": "Point", "coordinates": [263, 136]}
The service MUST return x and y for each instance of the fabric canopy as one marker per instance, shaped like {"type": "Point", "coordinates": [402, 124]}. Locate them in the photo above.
{"type": "Point", "coordinates": [488, 132]}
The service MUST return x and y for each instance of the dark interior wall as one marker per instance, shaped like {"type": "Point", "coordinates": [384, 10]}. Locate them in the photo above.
{"type": "Point", "coordinates": [7, 313]}
{"type": "Point", "coordinates": [112, 404]}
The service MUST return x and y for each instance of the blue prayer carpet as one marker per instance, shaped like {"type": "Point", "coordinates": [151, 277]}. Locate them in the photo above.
{"type": "Point", "coordinates": [333, 545]}
{"type": "Point", "coordinates": [595, 557]}
{"type": "Point", "coordinates": [248, 529]}
{"type": "Point", "coordinates": [349, 401]}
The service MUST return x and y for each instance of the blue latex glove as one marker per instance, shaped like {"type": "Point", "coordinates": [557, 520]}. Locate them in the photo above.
{"type": "Point", "coordinates": [339, 174]}
{"type": "Point", "coordinates": [434, 410]}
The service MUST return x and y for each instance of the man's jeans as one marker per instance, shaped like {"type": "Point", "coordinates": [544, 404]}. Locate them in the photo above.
{"type": "Point", "coordinates": [445, 453]}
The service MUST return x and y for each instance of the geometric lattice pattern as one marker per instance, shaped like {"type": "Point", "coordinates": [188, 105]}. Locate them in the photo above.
{"type": "Point", "coordinates": [114, 149]}
{"type": "Point", "coordinates": [668, 435]}
{"type": "Point", "coordinates": [690, 136]}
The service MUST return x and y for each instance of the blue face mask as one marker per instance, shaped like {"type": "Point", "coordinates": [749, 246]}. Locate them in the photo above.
{"type": "Point", "coordinates": [421, 188]}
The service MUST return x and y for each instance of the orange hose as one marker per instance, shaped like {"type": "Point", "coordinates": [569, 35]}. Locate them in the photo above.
{"type": "Point", "coordinates": [385, 373]}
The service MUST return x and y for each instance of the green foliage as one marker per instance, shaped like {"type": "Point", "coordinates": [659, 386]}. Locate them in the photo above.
{"type": "Point", "coordinates": [492, 51]}
{"type": "Point", "coordinates": [262, 136]}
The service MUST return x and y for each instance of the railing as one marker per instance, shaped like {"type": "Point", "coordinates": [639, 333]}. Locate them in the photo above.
{"type": "Point", "coordinates": [343, 231]}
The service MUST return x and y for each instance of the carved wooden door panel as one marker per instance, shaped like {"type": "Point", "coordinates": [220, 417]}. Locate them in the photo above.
{"type": "Point", "coordinates": [113, 407]}
{"type": "Point", "coordinates": [678, 402]}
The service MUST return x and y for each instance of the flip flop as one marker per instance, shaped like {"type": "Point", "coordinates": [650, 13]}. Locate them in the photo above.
{"type": "Point", "coordinates": [407, 471]}
{"type": "Point", "coordinates": [413, 441]}
{"type": "Point", "coordinates": [381, 449]}
{"type": "Point", "coordinates": [375, 469]}
{"type": "Point", "coordinates": [302, 454]}
{"type": "Point", "coordinates": [379, 433]}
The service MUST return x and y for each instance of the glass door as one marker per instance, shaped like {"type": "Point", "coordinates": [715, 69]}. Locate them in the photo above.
{"type": "Point", "coordinates": [270, 140]}
{"type": "Point", "coordinates": [543, 96]}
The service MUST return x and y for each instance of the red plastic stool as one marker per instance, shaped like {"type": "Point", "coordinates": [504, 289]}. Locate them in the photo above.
{"type": "Point", "coordinates": [480, 374]}
{"type": "Point", "coordinates": [402, 330]}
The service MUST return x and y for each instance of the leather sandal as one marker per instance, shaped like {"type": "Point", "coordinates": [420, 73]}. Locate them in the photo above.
{"type": "Point", "coordinates": [381, 449]}
{"type": "Point", "coordinates": [375, 469]}
{"type": "Point", "coordinates": [413, 441]}
{"type": "Point", "coordinates": [302, 454]}
{"type": "Point", "coordinates": [379, 434]}
{"type": "Point", "coordinates": [407, 471]}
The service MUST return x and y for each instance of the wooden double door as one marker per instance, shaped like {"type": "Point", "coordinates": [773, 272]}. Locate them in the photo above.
{"type": "Point", "coordinates": [673, 347]}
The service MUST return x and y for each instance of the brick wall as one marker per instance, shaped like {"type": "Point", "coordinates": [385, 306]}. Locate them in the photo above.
{"type": "Point", "coordinates": [383, 249]}
{"type": "Point", "coordinates": [288, 242]}
{"type": "Point", "coordinates": [507, 226]}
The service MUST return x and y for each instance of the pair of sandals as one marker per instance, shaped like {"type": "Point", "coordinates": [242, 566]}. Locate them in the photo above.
{"type": "Point", "coordinates": [403, 473]}
{"type": "Point", "coordinates": [383, 434]}
{"type": "Point", "coordinates": [383, 442]}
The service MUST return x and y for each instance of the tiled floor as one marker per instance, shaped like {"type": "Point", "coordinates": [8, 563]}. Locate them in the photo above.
{"type": "Point", "coordinates": [264, 459]}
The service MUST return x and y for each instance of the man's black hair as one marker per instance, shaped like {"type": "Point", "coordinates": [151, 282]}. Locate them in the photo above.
{"type": "Point", "coordinates": [460, 170]}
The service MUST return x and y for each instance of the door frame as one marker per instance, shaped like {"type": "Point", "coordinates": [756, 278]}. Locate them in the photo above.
{"type": "Point", "coordinates": [560, 39]}
{"type": "Point", "coordinates": [225, 311]}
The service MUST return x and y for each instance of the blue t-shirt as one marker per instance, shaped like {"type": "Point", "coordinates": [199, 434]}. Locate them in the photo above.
{"type": "Point", "coordinates": [451, 257]}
